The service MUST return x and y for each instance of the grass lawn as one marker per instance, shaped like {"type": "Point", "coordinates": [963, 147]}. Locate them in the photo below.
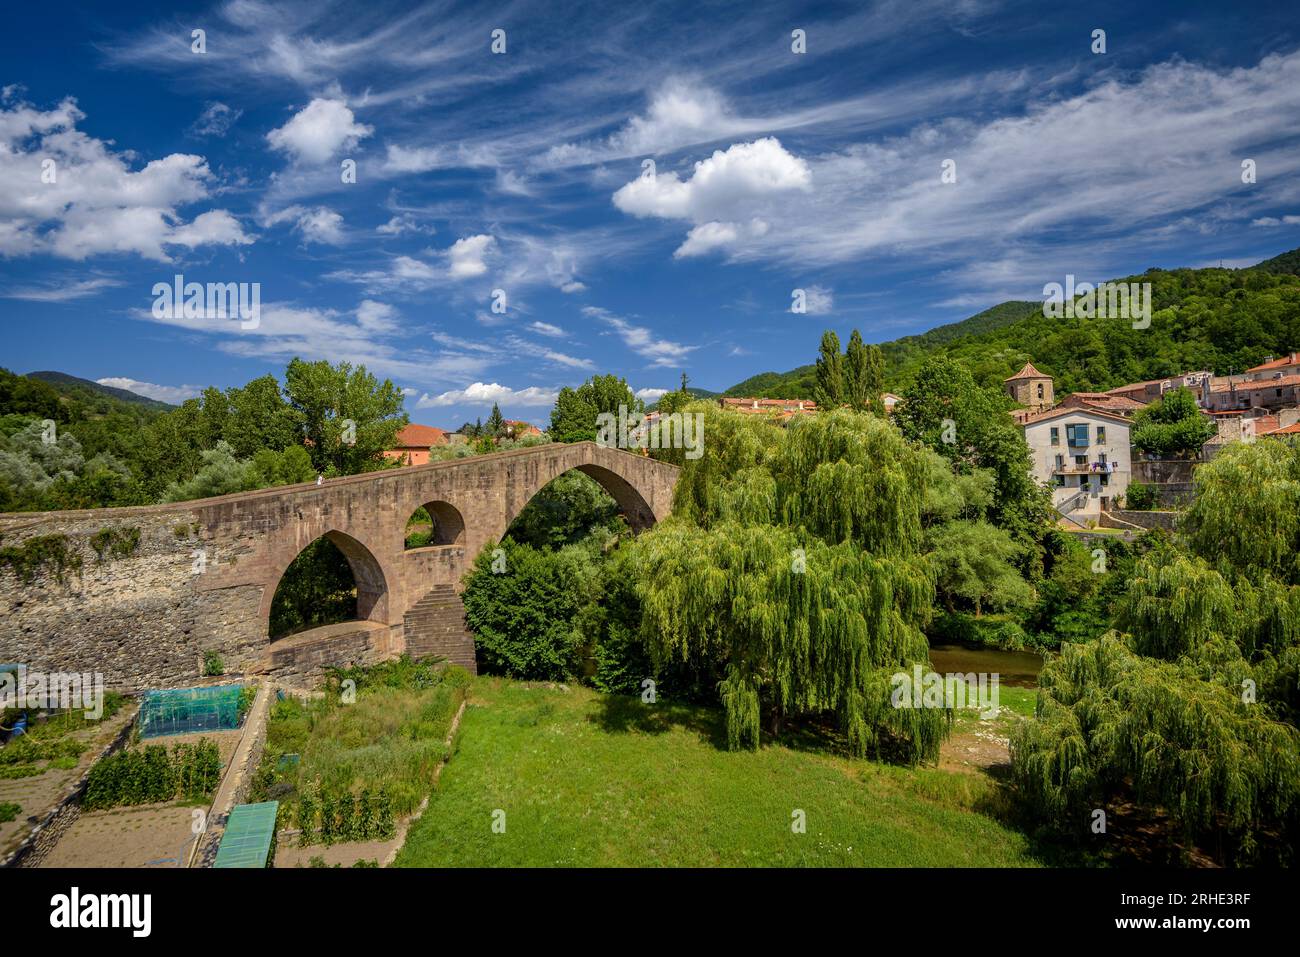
{"type": "Point", "coordinates": [592, 780]}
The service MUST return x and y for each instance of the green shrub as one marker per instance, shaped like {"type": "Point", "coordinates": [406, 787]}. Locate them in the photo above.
{"type": "Point", "coordinates": [523, 619]}
{"type": "Point", "coordinates": [8, 811]}
{"type": "Point", "coordinates": [38, 553]}
{"type": "Point", "coordinates": [213, 666]}
{"type": "Point", "coordinates": [1141, 498]}
{"type": "Point", "coordinates": [114, 542]}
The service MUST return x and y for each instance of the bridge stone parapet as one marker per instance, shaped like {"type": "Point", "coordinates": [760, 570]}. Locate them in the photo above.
{"type": "Point", "coordinates": [201, 575]}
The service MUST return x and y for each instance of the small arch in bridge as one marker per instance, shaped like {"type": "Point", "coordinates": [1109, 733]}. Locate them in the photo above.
{"type": "Point", "coordinates": [314, 589]}
{"type": "Point", "coordinates": [435, 523]}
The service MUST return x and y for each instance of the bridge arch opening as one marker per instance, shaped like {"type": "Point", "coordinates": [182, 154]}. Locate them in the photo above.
{"type": "Point", "coordinates": [570, 505]}
{"type": "Point", "coordinates": [333, 579]}
{"type": "Point", "coordinates": [435, 523]}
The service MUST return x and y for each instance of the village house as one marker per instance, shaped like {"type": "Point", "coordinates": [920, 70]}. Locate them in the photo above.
{"type": "Point", "coordinates": [516, 429]}
{"type": "Point", "coordinates": [1274, 391]}
{"type": "Point", "coordinates": [1144, 393]}
{"type": "Point", "coordinates": [1272, 368]}
{"type": "Point", "coordinates": [413, 444]}
{"type": "Point", "coordinates": [785, 408]}
{"type": "Point", "coordinates": [1102, 402]}
{"type": "Point", "coordinates": [1083, 456]}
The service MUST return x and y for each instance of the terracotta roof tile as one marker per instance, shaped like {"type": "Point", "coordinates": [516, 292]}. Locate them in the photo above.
{"type": "Point", "coordinates": [1028, 372]}
{"type": "Point", "coordinates": [420, 437]}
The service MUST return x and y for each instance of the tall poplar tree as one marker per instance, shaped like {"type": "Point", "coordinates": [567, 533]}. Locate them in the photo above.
{"type": "Point", "coordinates": [828, 392]}
{"type": "Point", "coordinates": [864, 375]}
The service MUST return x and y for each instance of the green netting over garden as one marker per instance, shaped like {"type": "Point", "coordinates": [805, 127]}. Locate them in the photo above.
{"type": "Point", "coordinates": [249, 839]}
{"type": "Point", "coordinates": [189, 710]}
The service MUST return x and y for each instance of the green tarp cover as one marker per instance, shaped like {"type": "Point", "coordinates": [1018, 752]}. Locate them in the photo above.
{"type": "Point", "coordinates": [249, 833]}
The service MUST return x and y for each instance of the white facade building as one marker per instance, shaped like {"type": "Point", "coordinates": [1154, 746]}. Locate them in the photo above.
{"type": "Point", "coordinates": [1082, 455]}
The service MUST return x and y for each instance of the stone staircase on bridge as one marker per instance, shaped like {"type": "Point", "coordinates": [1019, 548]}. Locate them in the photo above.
{"type": "Point", "coordinates": [435, 625]}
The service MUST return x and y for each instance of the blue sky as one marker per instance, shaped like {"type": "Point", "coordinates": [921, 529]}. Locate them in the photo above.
{"type": "Point", "coordinates": [525, 171]}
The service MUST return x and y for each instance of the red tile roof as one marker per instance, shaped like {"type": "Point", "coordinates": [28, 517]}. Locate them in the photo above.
{"type": "Point", "coordinates": [1028, 372]}
{"type": "Point", "coordinates": [1278, 383]}
{"type": "Point", "coordinates": [1104, 401]}
{"type": "Point", "coordinates": [1287, 360]}
{"type": "Point", "coordinates": [1071, 410]}
{"type": "Point", "coordinates": [420, 437]}
{"type": "Point", "coordinates": [1292, 429]}
{"type": "Point", "coordinates": [523, 428]}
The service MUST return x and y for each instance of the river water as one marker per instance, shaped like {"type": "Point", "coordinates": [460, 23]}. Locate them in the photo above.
{"type": "Point", "coordinates": [1018, 669]}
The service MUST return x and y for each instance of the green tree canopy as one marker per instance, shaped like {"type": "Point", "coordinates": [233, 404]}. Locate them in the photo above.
{"type": "Point", "coordinates": [327, 398]}
{"type": "Point", "coordinates": [573, 419]}
{"type": "Point", "coordinates": [946, 411]}
{"type": "Point", "coordinates": [1172, 425]}
{"type": "Point", "coordinates": [793, 556]}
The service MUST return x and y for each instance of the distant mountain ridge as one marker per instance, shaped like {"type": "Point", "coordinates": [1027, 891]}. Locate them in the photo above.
{"type": "Point", "coordinates": [58, 379]}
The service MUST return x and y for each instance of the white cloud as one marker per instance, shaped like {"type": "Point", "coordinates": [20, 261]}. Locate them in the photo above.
{"type": "Point", "coordinates": [1288, 220]}
{"type": "Point", "coordinates": [71, 195]}
{"type": "Point", "coordinates": [571, 362]}
{"type": "Point", "coordinates": [818, 300]}
{"type": "Point", "coordinates": [215, 120]}
{"type": "Point", "coordinates": [721, 196]}
{"type": "Point", "coordinates": [60, 291]}
{"type": "Point", "coordinates": [215, 227]}
{"type": "Point", "coordinates": [1063, 210]}
{"type": "Point", "coordinates": [643, 341]}
{"type": "Point", "coordinates": [546, 329]}
{"type": "Point", "coordinates": [318, 224]}
{"type": "Point", "coordinates": [682, 112]}
{"type": "Point", "coordinates": [319, 131]}
{"type": "Point", "coordinates": [377, 317]}
{"type": "Point", "coordinates": [719, 185]}
{"type": "Point", "coordinates": [465, 257]}
{"type": "Point", "coordinates": [364, 336]}
{"type": "Point", "coordinates": [322, 225]}
{"type": "Point", "coordinates": [707, 237]}
{"type": "Point", "coordinates": [651, 395]}
{"type": "Point", "coordinates": [401, 160]}
{"type": "Point", "coordinates": [399, 225]}
{"type": "Point", "coordinates": [172, 394]}
{"type": "Point", "coordinates": [482, 393]}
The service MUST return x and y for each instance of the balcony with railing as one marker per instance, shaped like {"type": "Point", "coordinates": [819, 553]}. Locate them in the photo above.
{"type": "Point", "coordinates": [1087, 468]}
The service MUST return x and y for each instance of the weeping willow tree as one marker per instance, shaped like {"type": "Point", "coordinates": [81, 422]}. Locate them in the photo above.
{"type": "Point", "coordinates": [794, 557]}
{"type": "Point", "coordinates": [1192, 705]}
{"type": "Point", "coordinates": [1113, 724]}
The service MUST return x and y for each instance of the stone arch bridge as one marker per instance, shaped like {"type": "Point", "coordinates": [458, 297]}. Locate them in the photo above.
{"type": "Point", "coordinates": [195, 577]}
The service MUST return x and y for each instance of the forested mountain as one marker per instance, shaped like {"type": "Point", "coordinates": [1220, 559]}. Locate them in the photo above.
{"type": "Point", "coordinates": [72, 385]}
{"type": "Point", "coordinates": [1224, 320]}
